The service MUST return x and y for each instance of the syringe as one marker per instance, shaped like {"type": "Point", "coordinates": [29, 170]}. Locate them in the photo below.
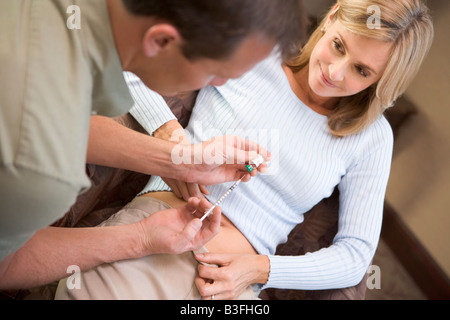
{"type": "Point", "coordinates": [207, 213]}
{"type": "Point", "coordinates": [253, 164]}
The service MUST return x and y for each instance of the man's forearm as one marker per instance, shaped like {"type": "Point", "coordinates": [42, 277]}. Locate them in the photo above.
{"type": "Point", "coordinates": [47, 256]}
{"type": "Point", "coordinates": [114, 145]}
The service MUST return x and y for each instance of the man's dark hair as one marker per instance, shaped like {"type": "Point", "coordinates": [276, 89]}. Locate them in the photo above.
{"type": "Point", "coordinates": [214, 28]}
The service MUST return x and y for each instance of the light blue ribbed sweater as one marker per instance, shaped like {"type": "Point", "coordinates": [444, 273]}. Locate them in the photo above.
{"type": "Point", "coordinates": [308, 163]}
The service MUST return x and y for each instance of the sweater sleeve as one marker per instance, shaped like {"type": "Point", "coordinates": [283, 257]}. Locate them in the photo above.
{"type": "Point", "coordinates": [150, 109]}
{"type": "Point", "coordinates": [344, 263]}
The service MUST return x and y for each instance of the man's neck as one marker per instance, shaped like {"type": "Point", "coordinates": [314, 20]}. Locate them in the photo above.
{"type": "Point", "coordinates": [128, 32]}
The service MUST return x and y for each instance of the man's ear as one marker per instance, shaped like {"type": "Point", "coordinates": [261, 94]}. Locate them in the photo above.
{"type": "Point", "coordinates": [158, 37]}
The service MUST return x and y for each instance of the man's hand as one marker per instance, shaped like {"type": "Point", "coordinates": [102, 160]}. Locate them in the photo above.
{"type": "Point", "coordinates": [173, 131]}
{"type": "Point", "coordinates": [178, 230]}
{"type": "Point", "coordinates": [219, 160]}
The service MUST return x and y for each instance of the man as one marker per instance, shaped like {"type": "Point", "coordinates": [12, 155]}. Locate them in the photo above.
{"type": "Point", "coordinates": [55, 75]}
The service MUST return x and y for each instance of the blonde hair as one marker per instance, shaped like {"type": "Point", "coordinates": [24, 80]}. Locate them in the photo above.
{"type": "Point", "coordinates": [405, 23]}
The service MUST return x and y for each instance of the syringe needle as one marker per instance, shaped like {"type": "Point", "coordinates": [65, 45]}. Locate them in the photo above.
{"type": "Point", "coordinates": [207, 213]}
{"type": "Point", "coordinates": [250, 167]}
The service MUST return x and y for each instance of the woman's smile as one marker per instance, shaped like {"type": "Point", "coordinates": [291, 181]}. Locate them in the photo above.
{"type": "Point", "coordinates": [326, 80]}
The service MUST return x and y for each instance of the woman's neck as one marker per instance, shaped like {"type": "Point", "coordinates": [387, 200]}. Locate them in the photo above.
{"type": "Point", "coordinates": [300, 86]}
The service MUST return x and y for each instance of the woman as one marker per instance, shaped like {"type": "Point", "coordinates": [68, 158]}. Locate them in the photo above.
{"type": "Point", "coordinates": [321, 116]}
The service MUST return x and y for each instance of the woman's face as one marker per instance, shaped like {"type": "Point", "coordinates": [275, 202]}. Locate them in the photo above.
{"type": "Point", "coordinates": [344, 63]}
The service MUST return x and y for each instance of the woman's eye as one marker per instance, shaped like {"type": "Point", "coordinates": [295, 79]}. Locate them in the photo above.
{"type": "Point", "coordinates": [338, 46]}
{"type": "Point", "coordinates": [362, 72]}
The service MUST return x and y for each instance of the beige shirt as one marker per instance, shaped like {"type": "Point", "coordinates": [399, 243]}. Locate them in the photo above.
{"type": "Point", "coordinates": [52, 78]}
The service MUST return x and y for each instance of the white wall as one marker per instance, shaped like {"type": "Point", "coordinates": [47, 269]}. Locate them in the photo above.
{"type": "Point", "coordinates": [419, 187]}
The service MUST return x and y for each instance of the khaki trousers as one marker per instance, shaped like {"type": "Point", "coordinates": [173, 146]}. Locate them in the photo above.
{"type": "Point", "coordinates": [154, 277]}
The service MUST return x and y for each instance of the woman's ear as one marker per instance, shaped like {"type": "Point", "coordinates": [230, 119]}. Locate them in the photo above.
{"type": "Point", "coordinates": [158, 37]}
{"type": "Point", "coordinates": [330, 17]}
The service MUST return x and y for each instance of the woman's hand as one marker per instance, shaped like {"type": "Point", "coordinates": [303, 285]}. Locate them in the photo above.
{"type": "Point", "coordinates": [235, 272]}
{"type": "Point", "coordinates": [178, 230]}
{"type": "Point", "coordinates": [184, 190]}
